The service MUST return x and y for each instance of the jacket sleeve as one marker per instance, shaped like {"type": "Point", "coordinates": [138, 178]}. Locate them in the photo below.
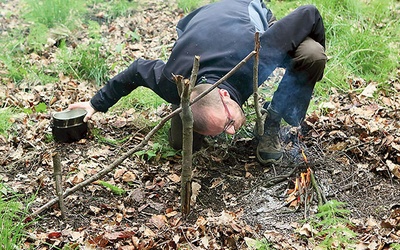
{"type": "Point", "coordinates": [146, 73]}
{"type": "Point", "coordinates": [119, 86]}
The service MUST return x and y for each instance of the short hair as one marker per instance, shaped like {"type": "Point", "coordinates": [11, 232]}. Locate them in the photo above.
{"type": "Point", "coordinates": [201, 108]}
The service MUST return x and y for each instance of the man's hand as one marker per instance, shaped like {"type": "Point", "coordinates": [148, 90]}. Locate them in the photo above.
{"type": "Point", "coordinates": [86, 106]}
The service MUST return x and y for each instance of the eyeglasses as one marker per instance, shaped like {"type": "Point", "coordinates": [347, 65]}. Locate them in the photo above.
{"type": "Point", "coordinates": [230, 122]}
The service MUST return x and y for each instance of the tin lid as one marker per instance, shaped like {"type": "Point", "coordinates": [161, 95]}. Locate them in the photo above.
{"type": "Point", "coordinates": [69, 117]}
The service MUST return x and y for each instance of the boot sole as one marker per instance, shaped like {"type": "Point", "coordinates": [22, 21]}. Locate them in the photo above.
{"type": "Point", "coordinates": [270, 160]}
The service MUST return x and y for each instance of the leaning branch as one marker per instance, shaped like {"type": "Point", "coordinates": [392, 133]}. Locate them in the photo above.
{"type": "Point", "coordinates": [224, 78]}
{"type": "Point", "coordinates": [138, 147]}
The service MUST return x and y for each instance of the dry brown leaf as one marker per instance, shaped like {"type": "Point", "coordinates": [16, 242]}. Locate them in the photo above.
{"type": "Point", "coordinates": [195, 191]}
{"type": "Point", "coordinates": [148, 233]}
{"type": "Point", "coordinates": [158, 220]}
{"type": "Point", "coordinates": [174, 178]}
{"type": "Point", "coordinates": [171, 214]}
{"type": "Point", "coordinates": [201, 221]}
{"type": "Point", "coordinates": [307, 230]}
{"type": "Point", "coordinates": [119, 172]}
{"type": "Point", "coordinates": [78, 178]}
{"type": "Point", "coordinates": [338, 146]}
{"type": "Point", "coordinates": [217, 183]}
{"type": "Point", "coordinates": [129, 177]}
{"type": "Point", "coordinates": [394, 168]}
{"type": "Point", "coordinates": [94, 209]}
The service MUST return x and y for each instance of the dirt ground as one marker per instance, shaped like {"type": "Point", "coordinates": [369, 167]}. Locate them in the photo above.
{"type": "Point", "coordinates": [353, 148]}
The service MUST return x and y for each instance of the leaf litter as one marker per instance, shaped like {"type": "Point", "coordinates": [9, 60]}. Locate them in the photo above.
{"type": "Point", "coordinates": [352, 145]}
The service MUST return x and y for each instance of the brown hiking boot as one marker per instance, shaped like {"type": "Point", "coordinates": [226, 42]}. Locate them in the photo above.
{"type": "Point", "coordinates": [269, 148]}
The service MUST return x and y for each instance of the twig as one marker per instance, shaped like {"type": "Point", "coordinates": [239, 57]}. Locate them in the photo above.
{"type": "Point", "coordinates": [321, 196]}
{"type": "Point", "coordinates": [58, 180]}
{"type": "Point", "coordinates": [270, 182]}
{"type": "Point", "coordinates": [144, 142]}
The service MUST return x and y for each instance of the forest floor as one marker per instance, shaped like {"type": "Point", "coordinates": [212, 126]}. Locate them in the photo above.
{"type": "Point", "coordinates": [353, 149]}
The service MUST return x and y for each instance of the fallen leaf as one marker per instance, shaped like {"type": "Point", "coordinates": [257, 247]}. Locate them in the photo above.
{"type": "Point", "coordinates": [217, 182]}
{"type": "Point", "coordinates": [158, 220]}
{"type": "Point", "coordinates": [394, 168]}
{"type": "Point", "coordinates": [128, 177]}
{"type": "Point", "coordinates": [148, 232]}
{"type": "Point", "coordinates": [174, 178]}
{"type": "Point", "coordinates": [338, 146]}
{"type": "Point", "coordinates": [75, 236]}
{"type": "Point", "coordinates": [119, 172]}
{"type": "Point", "coordinates": [369, 90]}
{"type": "Point", "coordinates": [54, 235]}
{"type": "Point", "coordinates": [94, 209]}
{"type": "Point", "coordinates": [307, 230]}
{"type": "Point", "coordinates": [78, 178]}
{"type": "Point", "coordinates": [195, 191]}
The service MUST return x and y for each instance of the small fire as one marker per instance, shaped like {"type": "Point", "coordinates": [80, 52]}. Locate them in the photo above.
{"type": "Point", "coordinates": [300, 194]}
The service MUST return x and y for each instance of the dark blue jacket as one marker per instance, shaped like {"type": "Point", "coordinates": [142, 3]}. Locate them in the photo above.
{"type": "Point", "coordinates": [222, 34]}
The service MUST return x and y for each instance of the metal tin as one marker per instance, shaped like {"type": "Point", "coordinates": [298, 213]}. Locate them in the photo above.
{"type": "Point", "coordinates": [68, 126]}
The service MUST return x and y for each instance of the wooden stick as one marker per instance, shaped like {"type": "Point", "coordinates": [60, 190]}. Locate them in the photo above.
{"type": "Point", "coordinates": [58, 181]}
{"type": "Point", "coordinates": [259, 120]}
{"type": "Point", "coordinates": [187, 144]}
{"type": "Point", "coordinates": [118, 161]}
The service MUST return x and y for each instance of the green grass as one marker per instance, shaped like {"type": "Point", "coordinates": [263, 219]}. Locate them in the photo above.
{"type": "Point", "coordinates": [55, 12]}
{"type": "Point", "coordinates": [114, 8]}
{"type": "Point", "coordinates": [261, 244]}
{"type": "Point", "coordinates": [361, 40]}
{"type": "Point", "coordinates": [141, 98]}
{"type": "Point", "coordinates": [12, 214]}
{"type": "Point", "coordinates": [5, 122]}
{"type": "Point", "coordinates": [395, 246]}
{"type": "Point", "coordinates": [85, 62]}
{"type": "Point", "coordinates": [190, 5]}
{"type": "Point", "coordinates": [97, 133]}
{"type": "Point", "coordinates": [145, 99]}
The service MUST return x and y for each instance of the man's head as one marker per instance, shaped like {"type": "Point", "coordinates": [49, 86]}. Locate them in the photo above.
{"type": "Point", "coordinates": [216, 112]}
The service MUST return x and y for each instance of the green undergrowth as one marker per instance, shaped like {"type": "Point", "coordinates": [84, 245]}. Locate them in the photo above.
{"type": "Point", "coordinates": [113, 8]}
{"type": "Point", "coordinates": [331, 223]}
{"type": "Point", "coordinates": [329, 229]}
{"type": "Point", "coordinates": [361, 40]}
{"type": "Point", "coordinates": [5, 121]}
{"type": "Point", "coordinates": [114, 189]}
{"type": "Point", "coordinates": [54, 12]}
{"type": "Point", "coordinates": [85, 62]}
{"type": "Point", "coordinates": [141, 98]}
{"type": "Point", "coordinates": [12, 215]}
